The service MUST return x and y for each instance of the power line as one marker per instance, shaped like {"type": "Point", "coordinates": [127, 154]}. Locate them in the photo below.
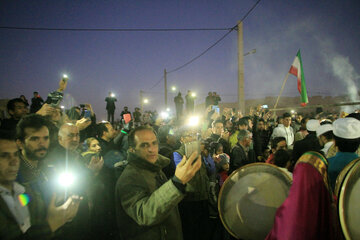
{"type": "Point", "coordinates": [113, 29]}
{"type": "Point", "coordinates": [157, 82]}
{"type": "Point", "coordinates": [214, 44]}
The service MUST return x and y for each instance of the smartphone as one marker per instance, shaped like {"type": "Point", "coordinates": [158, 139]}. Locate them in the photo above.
{"type": "Point", "coordinates": [216, 108]}
{"type": "Point", "coordinates": [87, 114]}
{"type": "Point", "coordinates": [191, 147]}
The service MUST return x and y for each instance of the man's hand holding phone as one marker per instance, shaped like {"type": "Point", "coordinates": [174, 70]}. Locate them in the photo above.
{"type": "Point", "coordinates": [96, 164]}
{"type": "Point", "coordinates": [57, 216]}
{"type": "Point", "coordinates": [187, 168]}
{"type": "Point", "coordinates": [46, 110]}
{"type": "Point", "coordinates": [83, 123]}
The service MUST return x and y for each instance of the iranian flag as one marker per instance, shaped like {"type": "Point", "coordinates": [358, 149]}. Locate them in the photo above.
{"type": "Point", "coordinates": [297, 70]}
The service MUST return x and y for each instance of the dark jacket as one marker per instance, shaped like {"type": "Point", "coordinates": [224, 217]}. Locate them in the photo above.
{"type": "Point", "coordinates": [309, 143]}
{"type": "Point", "coordinates": [39, 229]}
{"type": "Point", "coordinates": [9, 124]}
{"type": "Point", "coordinates": [146, 202]}
{"type": "Point", "coordinates": [197, 189]}
{"type": "Point", "coordinates": [240, 158]}
{"type": "Point", "coordinates": [110, 103]}
{"type": "Point", "coordinates": [60, 159]}
{"type": "Point", "coordinates": [224, 143]}
{"type": "Point", "coordinates": [36, 104]}
{"type": "Point", "coordinates": [261, 140]}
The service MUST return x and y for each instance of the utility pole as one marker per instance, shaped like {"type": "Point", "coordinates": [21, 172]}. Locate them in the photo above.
{"type": "Point", "coordinates": [165, 86]}
{"type": "Point", "coordinates": [241, 93]}
{"type": "Point", "coordinates": [141, 100]}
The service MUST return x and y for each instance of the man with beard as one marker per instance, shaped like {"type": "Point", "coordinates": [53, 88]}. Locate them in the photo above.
{"type": "Point", "coordinates": [33, 139]}
{"type": "Point", "coordinates": [26, 220]}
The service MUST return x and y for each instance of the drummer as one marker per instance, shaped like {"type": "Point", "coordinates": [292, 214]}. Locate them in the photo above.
{"type": "Point", "coordinates": [347, 138]}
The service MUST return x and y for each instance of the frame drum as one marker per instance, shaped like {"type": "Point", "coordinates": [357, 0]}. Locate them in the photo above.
{"type": "Point", "coordinates": [249, 198]}
{"type": "Point", "coordinates": [348, 193]}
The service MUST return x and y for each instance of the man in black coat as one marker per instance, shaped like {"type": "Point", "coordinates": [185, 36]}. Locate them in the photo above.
{"type": "Point", "coordinates": [36, 103]}
{"type": "Point", "coordinates": [241, 154]}
{"type": "Point", "coordinates": [309, 143]}
{"type": "Point", "coordinates": [110, 107]}
{"type": "Point", "coordinates": [17, 109]}
{"type": "Point", "coordinates": [219, 135]}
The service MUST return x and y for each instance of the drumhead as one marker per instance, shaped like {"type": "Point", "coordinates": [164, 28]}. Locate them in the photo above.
{"type": "Point", "coordinates": [249, 198]}
{"type": "Point", "coordinates": [349, 199]}
{"type": "Point", "coordinates": [340, 178]}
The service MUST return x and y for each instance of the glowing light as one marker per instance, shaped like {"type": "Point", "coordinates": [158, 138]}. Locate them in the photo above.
{"type": "Point", "coordinates": [193, 121]}
{"type": "Point", "coordinates": [62, 107]}
{"type": "Point", "coordinates": [292, 111]}
{"type": "Point", "coordinates": [65, 76]}
{"type": "Point", "coordinates": [173, 88]}
{"type": "Point", "coordinates": [193, 94]}
{"type": "Point", "coordinates": [112, 95]}
{"type": "Point", "coordinates": [66, 179]}
{"type": "Point", "coordinates": [168, 109]}
{"type": "Point", "coordinates": [146, 100]}
{"type": "Point", "coordinates": [24, 199]}
{"type": "Point", "coordinates": [164, 115]}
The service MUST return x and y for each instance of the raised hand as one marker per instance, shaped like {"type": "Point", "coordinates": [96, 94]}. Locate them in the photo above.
{"type": "Point", "coordinates": [83, 123]}
{"type": "Point", "coordinates": [187, 168]}
{"type": "Point", "coordinates": [58, 216]}
{"type": "Point", "coordinates": [96, 164]}
{"type": "Point", "coordinates": [46, 110]}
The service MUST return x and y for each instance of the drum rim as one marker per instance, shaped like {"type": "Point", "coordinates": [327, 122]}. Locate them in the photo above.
{"type": "Point", "coordinates": [236, 171]}
{"type": "Point", "coordinates": [342, 175]}
{"type": "Point", "coordinates": [342, 194]}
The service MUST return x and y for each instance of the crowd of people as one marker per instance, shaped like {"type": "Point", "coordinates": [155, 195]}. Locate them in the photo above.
{"type": "Point", "coordinates": [64, 175]}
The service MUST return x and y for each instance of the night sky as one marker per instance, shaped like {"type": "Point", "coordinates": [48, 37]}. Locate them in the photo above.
{"type": "Point", "coordinates": [327, 32]}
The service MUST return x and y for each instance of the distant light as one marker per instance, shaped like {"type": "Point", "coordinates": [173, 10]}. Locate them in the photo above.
{"type": "Point", "coordinates": [168, 109]}
{"type": "Point", "coordinates": [146, 100]}
{"type": "Point", "coordinates": [112, 95]}
{"type": "Point", "coordinates": [292, 111]}
{"type": "Point", "coordinates": [66, 179]}
{"type": "Point", "coordinates": [164, 115]}
{"type": "Point", "coordinates": [193, 121]}
{"type": "Point", "coordinates": [173, 88]}
{"type": "Point", "coordinates": [193, 94]}
{"type": "Point", "coordinates": [62, 107]}
{"type": "Point", "coordinates": [65, 76]}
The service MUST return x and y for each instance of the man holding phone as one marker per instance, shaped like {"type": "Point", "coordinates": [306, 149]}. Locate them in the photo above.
{"type": "Point", "coordinates": [193, 209]}
{"type": "Point", "coordinates": [26, 219]}
{"type": "Point", "coordinates": [147, 201]}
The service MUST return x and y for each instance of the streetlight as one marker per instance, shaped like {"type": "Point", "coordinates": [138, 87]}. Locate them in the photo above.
{"type": "Point", "coordinates": [146, 100]}
{"type": "Point", "coordinates": [173, 88]}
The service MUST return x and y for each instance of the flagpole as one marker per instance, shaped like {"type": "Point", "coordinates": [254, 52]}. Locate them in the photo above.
{"type": "Point", "coordinates": [281, 90]}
